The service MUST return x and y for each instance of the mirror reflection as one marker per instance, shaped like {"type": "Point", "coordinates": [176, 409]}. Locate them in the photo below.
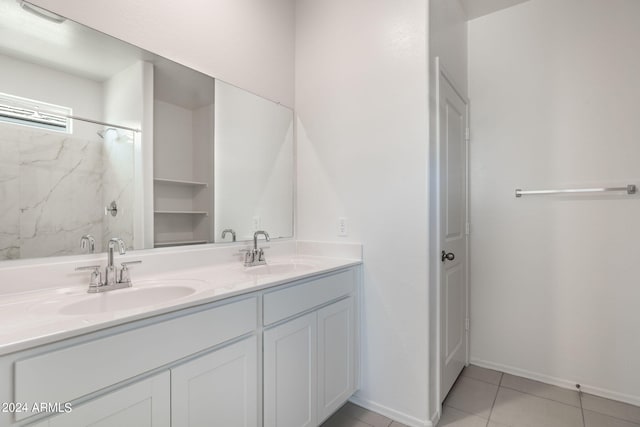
{"type": "Point", "coordinates": [100, 139]}
{"type": "Point", "coordinates": [183, 157]}
{"type": "Point", "coordinates": [57, 187]}
{"type": "Point", "coordinates": [253, 165]}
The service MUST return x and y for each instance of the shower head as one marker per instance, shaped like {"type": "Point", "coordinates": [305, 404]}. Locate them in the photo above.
{"type": "Point", "coordinates": [103, 132]}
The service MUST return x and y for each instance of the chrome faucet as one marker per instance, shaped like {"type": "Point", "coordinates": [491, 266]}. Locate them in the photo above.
{"type": "Point", "coordinates": [255, 256]}
{"type": "Point", "coordinates": [88, 241]}
{"type": "Point", "coordinates": [111, 272]}
{"type": "Point", "coordinates": [229, 230]}
{"type": "Point", "coordinates": [114, 279]}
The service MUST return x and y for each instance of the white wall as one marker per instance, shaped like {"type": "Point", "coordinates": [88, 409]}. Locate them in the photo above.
{"type": "Point", "coordinates": [45, 84]}
{"type": "Point", "coordinates": [361, 102]}
{"type": "Point", "coordinates": [447, 41]}
{"type": "Point", "coordinates": [173, 155]}
{"type": "Point", "coordinates": [554, 95]}
{"type": "Point", "coordinates": [248, 43]}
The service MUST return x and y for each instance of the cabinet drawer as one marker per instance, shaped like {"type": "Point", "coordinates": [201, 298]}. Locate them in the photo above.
{"type": "Point", "coordinates": [69, 373]}
{"type": "Point", "coordinates": [295, 299]}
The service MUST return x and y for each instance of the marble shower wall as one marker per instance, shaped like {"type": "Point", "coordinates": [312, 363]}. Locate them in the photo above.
{"type": "Point", "coordinates": [52, 191]}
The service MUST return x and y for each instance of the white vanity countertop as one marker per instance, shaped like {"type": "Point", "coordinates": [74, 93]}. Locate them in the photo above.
{"type": "Point", "coordinates": [30, 319]}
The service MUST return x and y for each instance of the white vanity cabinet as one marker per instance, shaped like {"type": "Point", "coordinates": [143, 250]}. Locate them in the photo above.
{"type": "Point", "coordinates": [142, 404]}
{"type": "Point", "coordinates": [217, 389]}
{"type": "Point", "coordinates": [336, 356]}
{"type": "Point", "coordinates": [290, 382]}
{"type": "Point", "coordinates": [278, 357]}
{"type": "Point", "coordinates": [309, 360]}
{"type": "Point", "coordinates": [125, 376]}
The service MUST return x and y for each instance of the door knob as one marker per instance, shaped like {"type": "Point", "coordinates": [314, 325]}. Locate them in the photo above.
{"type": "Point", "coordinates": [448, 256]}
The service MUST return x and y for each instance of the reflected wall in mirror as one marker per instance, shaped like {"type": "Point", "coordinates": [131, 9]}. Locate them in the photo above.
{"type": "Point", "coordinates": [58, 175]}
{"type": "Point", "coordinates": [253, 165]}
{"type": "Point", "coordinates": [87, 120]}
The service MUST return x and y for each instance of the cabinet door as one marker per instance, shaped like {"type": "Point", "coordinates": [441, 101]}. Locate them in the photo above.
{"type": "Point", "coordinates": [217, 389]}
{"type": "Point", "coordinates": [336, 356]}
{"type": "Point", "coordinates": [143, 404]}
{"type": "Point", "coordinates": [290, 378]}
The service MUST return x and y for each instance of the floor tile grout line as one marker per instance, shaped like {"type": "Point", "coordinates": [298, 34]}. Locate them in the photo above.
{"type": "Point", "coordinates": [542, 397]}
{"type": "Point", "coordinates": [580, 393]}
{"type": "Point", "coordinates": [478, 379]}
{"type": "Point", "coordinates": [634, 422]}
{"type": "Point", "coordinates": [515, 389]}
{"type": "Point", "coordinates": [628, 421]}
{"type": "Point", "coordinates": [353, 417]}
{"type": "Point", "coordinates": [465, 412]}
{"type": "Point", "coordinates": [584, 422]}
{"type": "Point", "coordinates": [495, 398]}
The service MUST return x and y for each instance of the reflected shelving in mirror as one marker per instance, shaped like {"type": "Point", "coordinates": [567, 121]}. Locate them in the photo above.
{"type": "Point", "coordinates": [179, 243]}
{"type": "Point", "coordinates": [180, 182]}
{"type": "Point", "coordinates": [183, 212]}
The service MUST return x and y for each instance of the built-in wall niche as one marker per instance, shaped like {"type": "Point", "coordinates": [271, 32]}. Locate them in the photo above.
{"type": "Point", "coordinates": [183, 157]}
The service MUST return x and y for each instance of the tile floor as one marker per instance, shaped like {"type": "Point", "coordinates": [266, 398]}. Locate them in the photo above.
{"type": "Point", "coordinates": [485, 398]}
{"type": "Point", "coordinates": [351, 415]}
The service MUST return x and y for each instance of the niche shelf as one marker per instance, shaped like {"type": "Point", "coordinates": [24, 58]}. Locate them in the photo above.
{"type": "Point", "coordinates": [179, 243]}
{"type": "Point", "coordinates": [183, 212]}
{"type": "Point", "coordinates": [180, 182]}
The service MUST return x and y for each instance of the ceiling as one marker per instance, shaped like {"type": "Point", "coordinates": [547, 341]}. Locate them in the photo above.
{"type": "Point", "coordinates": [478, 8]}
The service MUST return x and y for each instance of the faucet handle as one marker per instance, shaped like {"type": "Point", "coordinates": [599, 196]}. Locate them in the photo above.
{"type": "Point", "coordinates": [124, 264]}
{"type": "Point", "coordinates": [88, 267]}
{"type": "Point", "coordinates": [96, 275]}
{"type": "Point", "coordinates": [249, 256]}
{"type": "Point", "coordinates": [125, 277]}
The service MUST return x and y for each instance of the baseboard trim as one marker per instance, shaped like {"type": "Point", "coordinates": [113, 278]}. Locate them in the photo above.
{"type": "Point", "coordinates": [560, 382]}
{"type": "Point", "coordinates": [435, 419]}
{"type": "Point", "coordinates": [391, 413]}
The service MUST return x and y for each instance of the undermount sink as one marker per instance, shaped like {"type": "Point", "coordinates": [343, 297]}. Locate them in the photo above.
{"type": "Point", "coordinates": [152, 293]}
{"type": "Point", "coordinates": [126, 299]}
{"type": "Point", "coordinates": [279, 268]}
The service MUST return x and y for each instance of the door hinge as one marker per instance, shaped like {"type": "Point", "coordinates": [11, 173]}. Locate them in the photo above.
{"type": "Point", "coordinates": [467, 228]}
{"type": "Point", "coordinates": [466, 324]}
{"type": "Point", "coordinates": [467, 134]}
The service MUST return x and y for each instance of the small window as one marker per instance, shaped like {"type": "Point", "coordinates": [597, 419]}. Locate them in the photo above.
{"type": "Point", "coordinates": [27, 112]}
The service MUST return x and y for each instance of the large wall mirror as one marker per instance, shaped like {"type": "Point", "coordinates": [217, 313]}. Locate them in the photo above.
{"type": "Point", "coordinates": [101, 139]}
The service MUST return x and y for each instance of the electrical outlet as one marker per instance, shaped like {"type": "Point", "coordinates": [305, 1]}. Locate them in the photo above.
{"type": "Point", "coordinates": [256, 223]}
{"type": "Point", "coordinates": [342, 226]}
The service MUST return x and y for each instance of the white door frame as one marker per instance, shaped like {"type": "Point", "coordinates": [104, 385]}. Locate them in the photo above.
{"type": "Point", "coordinates": [442, 74]}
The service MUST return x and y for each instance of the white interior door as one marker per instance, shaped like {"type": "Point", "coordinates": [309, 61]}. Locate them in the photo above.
{"type": "Point", "coordinates": [453, 233]}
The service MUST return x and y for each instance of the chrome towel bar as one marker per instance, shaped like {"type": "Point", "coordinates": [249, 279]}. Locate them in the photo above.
{"type": "Point", "coordinates": [629, 189]}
